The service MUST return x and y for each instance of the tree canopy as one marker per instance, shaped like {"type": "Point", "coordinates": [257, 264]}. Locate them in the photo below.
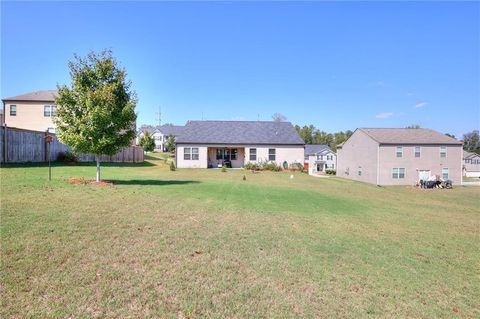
{"type": "Point", "coordinates": [471, 141]}
{"type": "Point", "coordinates": [96, 113]}
{"type": "Point", "coordinates": [147, 142]}
{"type": "Point", "coordinates": [311, 135]}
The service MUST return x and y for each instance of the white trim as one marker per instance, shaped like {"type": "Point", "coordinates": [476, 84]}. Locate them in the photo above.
{"type": "Point", "coordinates": [378, 164]}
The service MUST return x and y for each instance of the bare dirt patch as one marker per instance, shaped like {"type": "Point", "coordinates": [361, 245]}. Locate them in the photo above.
{"type": "Point", "coordinates": [83, 181]}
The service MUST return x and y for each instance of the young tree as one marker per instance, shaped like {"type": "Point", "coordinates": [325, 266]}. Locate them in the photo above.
{"type": "Point", "coordinates": [170, 145]}
{"type": "Point", "coordinates": [147, 142]}
{"type": "Point", "coordinates": [96, 114]}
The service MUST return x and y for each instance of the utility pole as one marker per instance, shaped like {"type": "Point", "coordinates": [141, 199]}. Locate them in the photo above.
{"type": "Point", "coordinates": [159, 116]}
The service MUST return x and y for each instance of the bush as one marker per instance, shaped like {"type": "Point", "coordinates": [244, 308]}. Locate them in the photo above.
{"type": "Point", "coordinates": [172, 166]}
{"type": "Point", "coordinates": [331, 172]}
{"type": "Point", "coordinates": [67, 157]}
{"type": "Point", "coordinates": [224, 168]}
{"type": "Point", "coordinates": [271, 166]}
{"type": "Point", "coordinates": [296, 167]}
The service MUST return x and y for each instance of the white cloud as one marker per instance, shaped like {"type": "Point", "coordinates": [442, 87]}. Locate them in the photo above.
{"type": "Point", "coordinates": [420, 104]}
{"type": "Point", "coordinates": [384, 115]}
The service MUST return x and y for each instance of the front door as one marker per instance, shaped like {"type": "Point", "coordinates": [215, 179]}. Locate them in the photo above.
{"type": "Point", "coordinates": [319, 167]}
{"type": "Point", "coordinates": [423, 175]}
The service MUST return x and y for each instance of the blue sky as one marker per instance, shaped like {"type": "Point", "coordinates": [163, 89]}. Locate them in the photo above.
{"type": "Point", "coordinates": [335, 65]}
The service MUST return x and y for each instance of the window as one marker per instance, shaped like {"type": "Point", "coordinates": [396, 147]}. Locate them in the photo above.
{"type": "Point", "coordinates": [187, 153]}
{"type": "Point", "coordinates": [51, 130]}
{"type": "Point", "coordinates": [49, 110]}
{"type": "Point", "coordinates": [253, 154]}
{"type": "Point", "coordinates": [13, 110]}
{"type": "Point", "coordinates": [398, 173]}
{"type": "Point", "coordinates": [271, 154]}
{"type": "Point", "coordinates": [190, 153]}
{"type": "Point", "coordinates": [417, 151]}
{"type": "Point", "coordinates": [443, 151]}
{"type": "Point", "coordinates": [195, 153]}
{"type": "Point", "coordinates": [445, 173]}
{"type": "Point", "coordinates": [399, 151]}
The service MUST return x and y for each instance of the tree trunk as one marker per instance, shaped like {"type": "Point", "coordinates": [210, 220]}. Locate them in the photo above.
{"type": "Point", "coordinates": [97, 158]}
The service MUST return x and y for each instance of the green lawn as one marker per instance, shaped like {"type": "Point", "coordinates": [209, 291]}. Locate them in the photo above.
{"type": "Point", "coordinates": [202, 243]}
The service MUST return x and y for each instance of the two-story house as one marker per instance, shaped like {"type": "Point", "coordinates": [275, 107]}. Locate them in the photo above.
{"type": "Point", "coordinates": [31, 111]}
{"type": "Point", "coordinates": [399, 156]}
{"type": "Point", "coordinates": [160, 134]}
{"type": "Point", "coordinates": [471, 164]}
{"type": "Point", "coordinates": [319, 158]}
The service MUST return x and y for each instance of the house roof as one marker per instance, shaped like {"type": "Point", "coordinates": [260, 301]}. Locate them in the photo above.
{"type": "Point", "coordinates": [240, 132]}
{"type": "Point", "coordinates": [171, 129]}
{"type": "Point", "coordinates": [41, 96]}
{"type": "Point", "coordinates": [311, 149]}
{"type": "Point", "coordinates": [467, 154]}
{"type": "Point", "coordinates": [408, 136]}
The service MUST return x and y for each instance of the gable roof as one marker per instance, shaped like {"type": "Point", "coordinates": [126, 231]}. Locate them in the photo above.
{"type": "Point", "coordinates": [468, 155]}
{"type": "Point", "coordinates": [40, 96]}
{"type": "Point", "coordinates": [171, 129]}
{"type": "Point", "coordinates": [408, 136]}
{"type": "Point", "coordinates": [240, 132]}
{"type": "Point", "coordinates": [312, 149]}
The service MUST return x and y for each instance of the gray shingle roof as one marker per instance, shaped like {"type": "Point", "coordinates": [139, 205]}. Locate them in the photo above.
{"type": "Point", "coordinates": [240, 132]}
{"type": "Point", "coordinates": [42, 96]}
{"type": "Point", "coordinates": [408, 136]}
{"type": "Point", "coordinates": [311, 149]}
{"type": "Point", "coordinates": [171, 129]}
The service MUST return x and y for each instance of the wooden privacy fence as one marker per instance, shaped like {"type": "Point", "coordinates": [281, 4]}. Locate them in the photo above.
{"type": "Point", "coordinates": [21, 146]}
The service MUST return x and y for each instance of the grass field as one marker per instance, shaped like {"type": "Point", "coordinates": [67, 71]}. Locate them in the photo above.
{"type": "Point", "coordinates": [202, 243]}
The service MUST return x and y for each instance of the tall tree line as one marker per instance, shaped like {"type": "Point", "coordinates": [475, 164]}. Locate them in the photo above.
{"type": "Point", "coordinates": [311, 135]}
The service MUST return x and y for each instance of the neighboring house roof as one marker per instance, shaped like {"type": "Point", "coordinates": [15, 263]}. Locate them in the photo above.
{"type": "Point", "coordinates": [240, 132]}
{"type": "Point", "coordinates": [408, 136]}
{"type": "Point", "coordinates": [41, 96]}
{"type": "Point", "coordinates": [468, 155]}
{"type": "Point", "coordinates": [171, 129]}
{"type": "Point", "coordinates": [312, 149]}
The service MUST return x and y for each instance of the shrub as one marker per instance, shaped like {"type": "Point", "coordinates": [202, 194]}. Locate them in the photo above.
{"type": "Point", "coordinates": [224, 168]}
{"type": "Point", "coordinates": [67, 157]}
{"type": "Point", "coordinates": [172, 166]}
{"type": "Point", "coordinates": [296, 167]}
{"type": "Point", "coordinates": [271, 166]}
{"type": "Point", "coordinates": [244, 177]}
{"type": "Point", "coordinates": [331, 172]}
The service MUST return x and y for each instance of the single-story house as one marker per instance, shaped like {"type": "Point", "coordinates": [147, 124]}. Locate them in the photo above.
{"type": "Point", "coordinates": [471, 164]}
{"type": "Point", "coordinates": [319, 158]}
{"type": "Point", "coordinates": [160, 134]}
{"type": "Point", "coordinates": [209, 144]}
{"type": "Point", "coordinates": [399, 156]}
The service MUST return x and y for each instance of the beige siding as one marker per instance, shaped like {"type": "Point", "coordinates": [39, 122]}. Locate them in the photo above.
{"type": "Point", "coordinates": [471, 166]}
{"type": "Point", "coordinates": [202, 161]}
{"type": "Point", "coordinates": [212, 157]}
{"type": "Point", "coordinates": [29, 116]}
{"type": "Point", "coordinates": [429, 160]}
{"type": "Point", "coordinates": [358, 153]}
{"type": "Point", "coordinates": [290, 154]}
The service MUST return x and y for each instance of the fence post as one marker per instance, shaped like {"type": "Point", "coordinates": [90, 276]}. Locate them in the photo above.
{"type": "Point", "coordinates": [46, 157]}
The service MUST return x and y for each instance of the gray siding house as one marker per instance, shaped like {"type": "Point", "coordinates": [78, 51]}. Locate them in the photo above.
{"type": "Point", "coordinates": [471, 164]}
{"type": "Point", "coordinates": [210, 144]}
{"type": "Point", "coordinates": [399, 156]}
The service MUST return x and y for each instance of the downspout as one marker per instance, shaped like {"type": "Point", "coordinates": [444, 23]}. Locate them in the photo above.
{"type": "Point", "coordinates": [378, 164]}
{"type": "Point", "coordinates": [461, 165]}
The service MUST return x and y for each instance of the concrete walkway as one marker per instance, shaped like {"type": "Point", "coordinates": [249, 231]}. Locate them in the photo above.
{"type": "Point", "coordinates": [471, 183]}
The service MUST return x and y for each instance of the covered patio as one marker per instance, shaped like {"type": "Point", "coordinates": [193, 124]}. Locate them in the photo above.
{"type": "Point", "coordinates": [231, 156]}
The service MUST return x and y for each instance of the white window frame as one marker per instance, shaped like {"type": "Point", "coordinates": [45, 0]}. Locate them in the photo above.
{"type": "Point", "coordinates": [270, 155]}
{"type": "Point", "coordinates": [13, 110]}
{"type": "Point", "coordinates": [49, 110]}
{"type": "Point", "coordinates": [399, 152]}
{"type": "Point", "coordinates": [443, 152]}
{"type": "Point", "coordinates": [396, 173]}
{"type": "Point", "coordinates": [419, 151]}
{"type": "Point", "coordinates": [195, 155]}
{"type": "Point", "coordinates": [253, 154]}
{"type": "Point", "coordinates": [447, 173]}
{"type": "Point", "coordinates": [187, 153]}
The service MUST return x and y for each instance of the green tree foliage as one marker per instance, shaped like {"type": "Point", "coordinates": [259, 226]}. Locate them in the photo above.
{"type": "Point", "coordinates": [96, 114]}
{"type": "Point", "coordinates": [170, 144]}
{"type": "Point", "coordinates": [311, 135]}
{"type": "Point", "coordinates": [147, 142]}
{"type": "Point", "coordinates": [414, 126]}
{"type": "Point", "coordinates": [471, 141]}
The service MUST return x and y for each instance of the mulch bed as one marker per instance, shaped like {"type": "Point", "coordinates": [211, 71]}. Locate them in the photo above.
{"type": "Point", "coordinates": [83, 181]}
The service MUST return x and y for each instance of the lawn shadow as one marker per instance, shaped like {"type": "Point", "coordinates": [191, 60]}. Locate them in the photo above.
{"type": "Point", "coordinates": [151, 182]}
{"type": "Point", "coordinates": [61, 164]}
